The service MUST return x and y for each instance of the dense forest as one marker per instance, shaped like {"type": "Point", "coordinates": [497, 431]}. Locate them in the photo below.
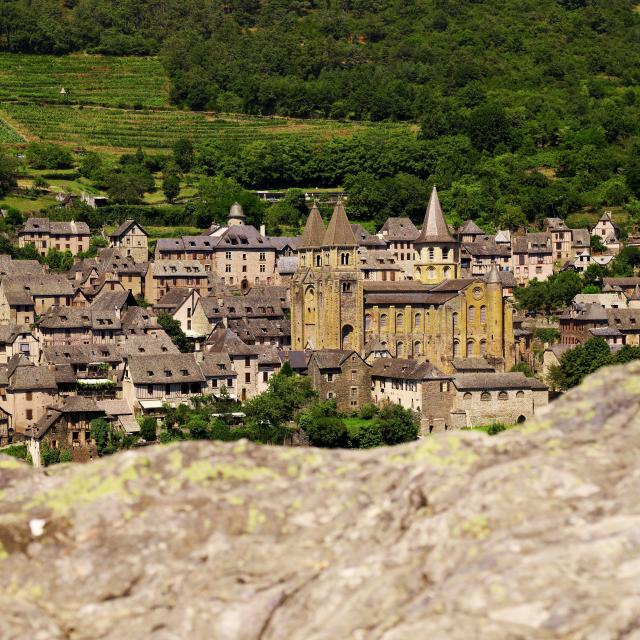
{"type": "Point", "coordinates": [522, 108]}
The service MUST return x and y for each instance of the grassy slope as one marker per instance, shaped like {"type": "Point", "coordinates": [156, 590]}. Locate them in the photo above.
{"type": "Point", "coordinates": [98, 111]}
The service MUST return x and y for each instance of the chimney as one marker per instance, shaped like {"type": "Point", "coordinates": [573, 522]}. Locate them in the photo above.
{"type": "Point", "coordinates": [263, 230]}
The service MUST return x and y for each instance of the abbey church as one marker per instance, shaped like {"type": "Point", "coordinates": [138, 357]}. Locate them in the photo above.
{"type": "Point", "coordinates": [434, 315]}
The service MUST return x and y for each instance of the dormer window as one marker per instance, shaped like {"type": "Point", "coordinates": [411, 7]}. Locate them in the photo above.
{"type": "Point", "coordinates": [167, 373]}
{"type": "Point", "coordinates": [184, 372]}
{"type": "Point", "coordinates": [150, 373]}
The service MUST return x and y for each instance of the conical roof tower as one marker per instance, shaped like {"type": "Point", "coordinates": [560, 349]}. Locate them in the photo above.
{"type": "Point", "coordinates": [434, 227]}
{"type": "Point", "coordinates": [313, 233]}
{"type": "Point", "coordinates": [493, 277]}
{"type": "Point", "coordinates": [339, 232]}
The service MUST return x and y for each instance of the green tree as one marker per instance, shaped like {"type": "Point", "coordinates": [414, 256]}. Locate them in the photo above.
{"type": "Point", "coordinates": [8, 173]}
{"type": "Point", "coordinates": [324, 426]}
{"type": "Point", "coordinates": [397, 424]}
{"type": "Point", "coordinates": [171, 187]}
{"type": "Point", "coordinates": [579, 362]}
{"type": "Point", "coordinates": [43, 155]}
{"type": "Point", "coordinates": [148, 427]}
{"type": "Point", "coordinates": [175, 332]}
{"type": "Point", "coordinates": [597, 245]}
{"type": "Point", "coordinates": [184, 154]}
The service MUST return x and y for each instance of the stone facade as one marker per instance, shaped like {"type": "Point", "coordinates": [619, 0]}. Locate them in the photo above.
{"type": "Point", "coordinates": [132, 239]}
{"type": "Point", "coordinates": [340, 375]}
{"type": "Point", "coordinates": [63, 236]}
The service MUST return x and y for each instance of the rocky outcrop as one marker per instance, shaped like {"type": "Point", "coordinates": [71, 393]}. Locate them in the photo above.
{"type": "Point", "coordinates": [529, 534]}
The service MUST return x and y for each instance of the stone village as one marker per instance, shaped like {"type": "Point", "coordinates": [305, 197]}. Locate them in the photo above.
{"type": "Point", "coordinates": [423, 317]}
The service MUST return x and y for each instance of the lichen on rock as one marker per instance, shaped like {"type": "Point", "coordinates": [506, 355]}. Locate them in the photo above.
{"type": "Point", "coordinates": [529, 534]}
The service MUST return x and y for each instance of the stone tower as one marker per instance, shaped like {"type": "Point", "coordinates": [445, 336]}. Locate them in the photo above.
{"type": "Point", "coordinates": [236, 215]}
{"type": "Point", "coordinates": [499, 314]}
{"type": "Point", "coordinates": [326, 291]}
{"type": "Point", "coordinates": [438, 252]}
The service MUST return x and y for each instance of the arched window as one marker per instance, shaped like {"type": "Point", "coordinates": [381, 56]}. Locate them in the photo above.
{"type": "Point", "coordinates": [447, 272]}
{"type": "Point", "coordinates": [346, 287]}
{"type": "Point", "coordinates": [472, 314]}
{"type": "Point", "coordinates": [483, 347]}
{"type": "Point", "coordinates": [467, 396]}
{"type": "Point", "coordinates": [417, 321]}
{"type": "Point", "coordinates": [318, 260]}
{"type": "Point", "coordinates": [418, 272]}
{"type": "Point", "coordinates": [432, 273]}
{"type": "Point", "coordinates": [417, 348]}
{"type": "Point", "coordinates": [485, 396]}
{"type": "Point", "coordinates": [399, 321]}
{"type": "Point", "coordinates": [456, 348]}
{"type": "Point", "coordinates": [400, 350]}
{"type": "Point", "coordinates": [383, 320]}
{"type": "Point", "coordinates": [347, 333]}
{"type": "Point", "coordinates": [483, 314]}
{"type": "Point", "coordinates": [445, 254]}
{"type": "Point", "coordinates": [344, 258]}
{"type": "Point", "coordinates": [503, 395]}
{"type": "Point", "coordinates": [432, 253]}
{"type": "Point", "coordinates": [520, 394]}
{"type": "Point", "coordinates": [367, 322]}
{"type": "Point", "coordinates": [454, 320]}
{"type": "Point", "coordinates": [469, 348]}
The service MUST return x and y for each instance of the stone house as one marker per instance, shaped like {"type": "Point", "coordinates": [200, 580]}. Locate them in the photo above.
{"type": "Point", "coordinates": [561, 239]}
{"type": "Point", "coordinates": [180, 304]}
{"type": "Point", "coordinates": [340, 375]}
{"type": "Point", "coordinates": [608, 232]}
{"type": "Point", "coordinates": [219, 373]}
{"type": "Point", "coordinates": [578, 319]}
{"type": "Point", "coordinates": [18, 340]}
{"type": "Point", "coordinates": [70, 326]}
{"type": "Point", "coordinates": [489, 398]}
{"type": "Point", "coordinates": [400, 235]}
{"type": "Point", "coordinates": [164, 275]}
{"type": "Point", "coordinates": [22, 298]}
{"type": "Point", "coordinates": [414, 385]}
{"type": "Point", "coordinates": [477, 257]}
{"type": "Point", "coordinates": [25, 392]}
{"type": "Point", "coordinates": [63, 236]}
{"type": "Point", "coordinates": [244, 360]}
{"type": "Point", "coordinates": [150, 381]}
{"type": "Point", "coordinates": [532, 257]}
{"type": "Point", "coordinates": [379, 265]}
{"type": "Point", "coordinates": [132, 239]}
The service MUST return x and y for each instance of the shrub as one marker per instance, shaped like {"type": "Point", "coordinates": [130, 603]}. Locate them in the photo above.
{"type": "Point", "coordinates": [397, 424]}
{"type": "Point", "coordinates": [368, 411]}
{"type": "Point", "coordinates": [148, 428]}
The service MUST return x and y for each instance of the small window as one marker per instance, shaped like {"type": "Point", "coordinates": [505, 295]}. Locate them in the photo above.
{"type": "Point", "coordinates": [520, 394]}
{"type": "Point", "coordinates": [383, 320]}
{"type": "Point", "coordinates": [467, 396]}
{"type": "Point", "coordinates": [503, 395]}
{"type": "Point", "coordinates": [29, 414]}
{"type": "Point", "coordinates": [485, 396]}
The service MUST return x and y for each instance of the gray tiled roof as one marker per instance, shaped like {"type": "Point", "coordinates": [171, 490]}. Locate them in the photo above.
{"type": "Point", "coordinates": [165, 369]}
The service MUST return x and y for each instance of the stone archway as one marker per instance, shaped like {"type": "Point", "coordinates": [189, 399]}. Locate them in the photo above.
{"type": "Point", "coordinates": [347, 336]}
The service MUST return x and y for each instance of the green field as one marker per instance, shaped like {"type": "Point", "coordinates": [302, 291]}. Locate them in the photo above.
{"type": "Point", "coordinates": [8, 135]}
{"type": "Point", "coordinates": [98, 127]}
{"type": "Point", "coordinates": [101, 80]}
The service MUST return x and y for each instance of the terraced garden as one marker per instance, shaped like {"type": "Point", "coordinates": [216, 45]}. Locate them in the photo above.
{"type": "Point", "coordinates": [7, 134]}
{"type": "Point", "coordinates": [118, 129]}
{"type": "Point", "coordinates": [87, 79]}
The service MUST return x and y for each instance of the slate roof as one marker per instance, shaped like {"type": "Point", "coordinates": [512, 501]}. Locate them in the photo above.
{"type": "Point", "coordinates": [164, 369]}
{"type": "Point", "coordinates": [178, 269]}
{"type": "Point", "coordinates": [434, 227]}
{"type": "Point", "coordinates": [173, 298]}
{"type": "Point", "coordinates": [287, 265]}
{"type": "Point", "coordinates": [365, 239]}
{"type": "Point", "coordinates": [152, 344]}
{"type": "Point", "coordinates": [35, 225]}
{"type": "Point", "coordinates": [533, 243]}
{"type": "Point", "coordinates": [470, 228]}
{"type": "Point", "coordinates": [468, 365]}
{"type": "Point", "coordinates": [244, 236]}
{"type": "Point", "coordinates": [580, 238]}
{"type": "Point", "coordinates": [399, 229]}
{"type": "Point", "coordinates": [405, 369]}
{"type": "Point", "coordinates": [124, 227]}
{"type": "Point", "coordinates": [339, 232]}
{"type": "Point", "coordinates": [224, 340]}
{"type": "Point", "coordinates": [330, 358]}
{"type": "Point", "coordinates": [280, 243]}
{"type": "Point", "coordinates": [28, 377]}
{"type": "Point", "coordinates": [486, 247]}
{"type": "Point", "coordinates": [495, 381]}
{"type": "Point", "coordinates": [217, 365]}
{"type": "Point", "coordinates": [314, 230]}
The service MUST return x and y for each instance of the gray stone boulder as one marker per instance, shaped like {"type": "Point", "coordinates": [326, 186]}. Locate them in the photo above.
{"type": "Point", "coordinates": [529, 534]}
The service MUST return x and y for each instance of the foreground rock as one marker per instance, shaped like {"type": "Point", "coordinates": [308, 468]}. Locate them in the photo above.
{"type": "Point", "coordinates": [534, 534]}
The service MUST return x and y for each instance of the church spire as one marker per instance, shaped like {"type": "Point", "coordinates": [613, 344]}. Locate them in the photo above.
{"type": "Point", "coordinates": [434, 227]}
{"type": "Point", "coordinates": [339, 232]}
{"type": "Point", "coordinates": [313, 231]}
{"type": "Point", "coordinates": [493, 277]}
